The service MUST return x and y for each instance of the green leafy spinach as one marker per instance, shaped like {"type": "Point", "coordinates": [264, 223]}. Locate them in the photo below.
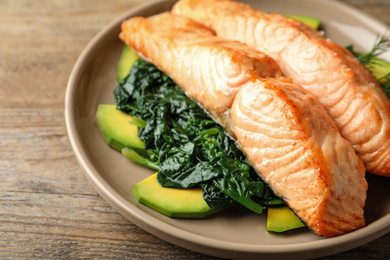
{"type": "Point", "coordinates": [189, 148]}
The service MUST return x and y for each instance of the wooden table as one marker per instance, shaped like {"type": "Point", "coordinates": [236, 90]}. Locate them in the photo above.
{"type": "Point", "coordinates": [48, 209]}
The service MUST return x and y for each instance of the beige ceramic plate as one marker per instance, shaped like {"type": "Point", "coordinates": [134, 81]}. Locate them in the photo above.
{"type": "Point", "coordinates": [228, 234]}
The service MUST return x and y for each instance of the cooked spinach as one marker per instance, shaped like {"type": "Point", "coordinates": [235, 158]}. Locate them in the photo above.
{"type": "Point", "coordinates": [189, 148]}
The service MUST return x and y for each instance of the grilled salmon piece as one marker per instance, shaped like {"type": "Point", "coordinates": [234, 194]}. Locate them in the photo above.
{"type": "Point", "coordinates": [286, 134]}
{"type": "Point", "coordinates": [167, 49]}
{"type": "Point", "coordinates": [291, 140]}
{"type": "Point", "coordinates": [342, 84]}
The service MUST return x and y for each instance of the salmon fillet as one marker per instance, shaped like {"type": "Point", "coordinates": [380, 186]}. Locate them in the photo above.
{"type": "Point", "coordinates": [285, 133]}
{"type": "Point", "coordinates": [348, 91]}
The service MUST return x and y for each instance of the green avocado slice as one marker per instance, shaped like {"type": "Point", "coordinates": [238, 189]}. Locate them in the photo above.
{"type": "Point", "coordinates": [126, 61]}
{"type": "Point", "coordinates": [379, 68]}
{"type": "Point", "coordinates": [308, 20]}
{"type": "Point", "coordinates": [282, 219]}
{"type": "Point", "coordinates": [174, 203]}
{"type": "Point", "coordinates": [114, 126]}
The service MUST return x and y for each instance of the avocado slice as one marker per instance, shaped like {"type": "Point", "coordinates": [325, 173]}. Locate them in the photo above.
{"type": "Point", "coordinates": [172, 202]}
{"type": "Point", "coordinates": [114, 126]}
{"type": "Point", "coordinates": [308, 20]}
{"type": "Point", "coordinates": [379, 68]}
{"type": "Point", "coordinates": [282, 219]}
{"type": "Point", "coordinates": [126, 61]}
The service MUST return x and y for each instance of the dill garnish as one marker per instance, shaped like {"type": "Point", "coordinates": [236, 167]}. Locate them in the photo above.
{"type": "Point", "coordinates": [378, 67]}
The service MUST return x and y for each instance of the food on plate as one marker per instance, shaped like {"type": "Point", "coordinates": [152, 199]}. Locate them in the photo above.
{"type": "Point", "coordinates": [185, 145]}
{"type": "Point", "coordinates": [146, 191]}
{"type": "Point", "coordinates": [347, 90]}
{"type": "Point", "coordinates": [285, 133]}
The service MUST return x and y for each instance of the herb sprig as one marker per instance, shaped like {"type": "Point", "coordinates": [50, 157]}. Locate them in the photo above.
{"type": "Point", "coordinates": [377, 66]}
{"type": "Point", "coordinates": [381, 46]}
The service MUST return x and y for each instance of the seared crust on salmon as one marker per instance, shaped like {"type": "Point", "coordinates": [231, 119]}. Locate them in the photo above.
{"type": "Point", "coordinates": [342, 84]}
{"type": "Point", "coordinates": [215, 91]}
{"type": "Point", "coordinates": [285, 133]}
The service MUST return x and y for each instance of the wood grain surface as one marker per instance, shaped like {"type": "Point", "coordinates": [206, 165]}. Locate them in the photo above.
{"type": "Point", "coordinates": [48, 209]}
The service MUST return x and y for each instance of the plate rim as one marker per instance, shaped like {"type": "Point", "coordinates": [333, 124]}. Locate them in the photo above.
{"type": "Point", "coordinates": [176, 235]}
